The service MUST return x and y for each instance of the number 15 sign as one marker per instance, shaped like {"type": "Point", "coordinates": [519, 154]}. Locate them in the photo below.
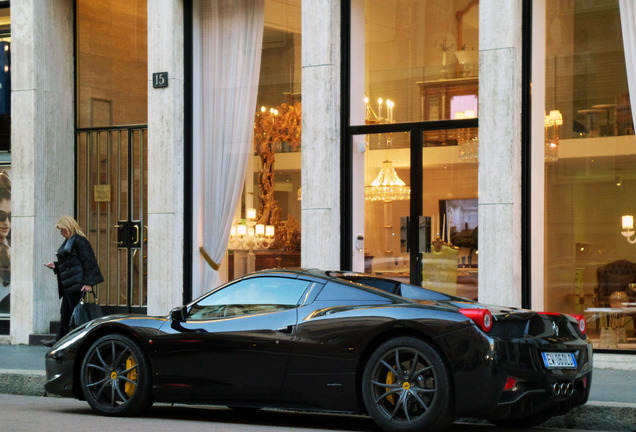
{"type": "Point", "coordinates": [160, 79]}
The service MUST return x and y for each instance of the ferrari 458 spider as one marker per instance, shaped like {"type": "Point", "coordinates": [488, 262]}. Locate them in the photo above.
{"type": "Point", "coordinates": [411, 358]}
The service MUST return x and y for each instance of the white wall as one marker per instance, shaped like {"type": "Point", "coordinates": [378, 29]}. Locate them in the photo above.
{"type": "Point", "coordinates": [320, 243]}
{"type": "Point", "coordinates": [165, 157]}
{"type": "Point", "coordinates": [42, 143]}
{"type": "Point", "coordinates": [500, 24]}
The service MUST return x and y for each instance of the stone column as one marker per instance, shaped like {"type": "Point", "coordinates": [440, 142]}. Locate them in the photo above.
{"type": "Point", "coordinates": [500, 23]}
{"type": "Point", "coordinates": [42, 141]}
{"type": "Point", "coordinates": [165, 157]}
{"type": "Point", "coordinates": [320, 243]}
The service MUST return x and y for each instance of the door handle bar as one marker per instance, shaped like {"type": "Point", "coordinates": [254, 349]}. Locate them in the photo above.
{"type": "Point", "coordinates": [136, 241]}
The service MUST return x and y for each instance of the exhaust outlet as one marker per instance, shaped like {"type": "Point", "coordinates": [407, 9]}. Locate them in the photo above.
{"type": "Point", "coordinates": [562, 389]}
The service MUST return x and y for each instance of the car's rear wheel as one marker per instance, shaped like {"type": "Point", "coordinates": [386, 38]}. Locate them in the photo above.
{"type": "Point", "coordinates": [406, 386]}
{"type": "Point", "coordinates": [115, 377]}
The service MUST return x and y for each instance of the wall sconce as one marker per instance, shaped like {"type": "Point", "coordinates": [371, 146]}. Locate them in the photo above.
{"type": "Point", "coordinates": [554, 119]}
{"type": "Point", "coordinates": [628, 228]}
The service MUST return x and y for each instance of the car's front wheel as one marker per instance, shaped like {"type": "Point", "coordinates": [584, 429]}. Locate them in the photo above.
{"type": "Point", "coordinates": [406, 387]}
{"type": "Point", "coordinates": [115, 377]}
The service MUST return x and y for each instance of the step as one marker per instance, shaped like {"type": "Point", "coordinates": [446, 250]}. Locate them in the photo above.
{"type": "Point", "coordinates": [34, 339]}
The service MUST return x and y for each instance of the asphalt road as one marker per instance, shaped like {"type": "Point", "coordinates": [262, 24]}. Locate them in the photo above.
{"type": "Point", "coordinates": [51, 414]}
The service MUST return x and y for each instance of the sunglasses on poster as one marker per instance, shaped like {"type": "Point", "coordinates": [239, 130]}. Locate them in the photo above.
{"type": "Point", "coordinates": [4, 216]}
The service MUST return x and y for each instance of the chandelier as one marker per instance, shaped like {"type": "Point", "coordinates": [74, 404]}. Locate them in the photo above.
{"type": "Point", "coordinates": [250, 235]}
{"type": "Point", "coordinates": [387, 186]}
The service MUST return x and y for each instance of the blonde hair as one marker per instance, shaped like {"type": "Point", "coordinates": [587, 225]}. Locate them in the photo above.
{"type": "Point", "coordinates": [71, 225]}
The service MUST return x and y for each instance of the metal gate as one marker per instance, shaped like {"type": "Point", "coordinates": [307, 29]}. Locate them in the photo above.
{"type": "Point", "coordinates": [112, 185]}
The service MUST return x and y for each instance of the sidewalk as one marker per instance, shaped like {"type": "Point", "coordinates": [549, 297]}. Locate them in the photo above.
{"type": "Point", "coordinates": [612, 405]}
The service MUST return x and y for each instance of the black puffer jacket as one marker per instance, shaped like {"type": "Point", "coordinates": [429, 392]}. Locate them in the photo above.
{"type": "Point", "coordinates": [76, 267]}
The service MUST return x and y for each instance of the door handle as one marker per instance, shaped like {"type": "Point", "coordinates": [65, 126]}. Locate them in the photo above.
{"type": "Point", "coordinates": [288, 329]}
{"type": "Point", "coordinates": [136, 241]}
{"type": "Point", "coordinates": [117, 228]}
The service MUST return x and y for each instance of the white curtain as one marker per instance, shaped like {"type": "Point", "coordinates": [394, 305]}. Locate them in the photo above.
{"type": "Point", "coordinates": [231, 43]}
{"type": "Point", "coordinates": [628, 24]}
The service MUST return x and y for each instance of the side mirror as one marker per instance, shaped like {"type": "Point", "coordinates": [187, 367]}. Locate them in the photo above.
{"type": "Point", "coordinates": [178, 314]}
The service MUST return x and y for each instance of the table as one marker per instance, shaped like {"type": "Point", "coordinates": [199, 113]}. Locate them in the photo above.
{"type": "Point", "coordinates": [607, 108]}
{"type": "Point", "coordinates": [612, 324]}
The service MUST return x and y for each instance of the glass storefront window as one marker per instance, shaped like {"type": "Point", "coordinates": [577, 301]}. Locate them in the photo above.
{"type": "Point", "coordinates": [272, 194]}
{"type": "Point", "coordinates": [418, 55]}
{"type": "Point", "coordinates": [419, 63]}
{"type": "Point", "coordinates": [590, 170]}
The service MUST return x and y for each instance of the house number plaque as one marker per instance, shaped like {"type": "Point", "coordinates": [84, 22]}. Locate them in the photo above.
{"type": "Point", "coordinates": [160, 79]}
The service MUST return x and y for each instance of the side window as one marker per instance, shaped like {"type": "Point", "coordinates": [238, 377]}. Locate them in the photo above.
{"type": "Point", "coordinates": [250, 296]}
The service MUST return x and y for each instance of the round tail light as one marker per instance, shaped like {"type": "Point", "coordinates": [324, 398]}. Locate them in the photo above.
{"type": "Point", "coordinates": [481, 317]}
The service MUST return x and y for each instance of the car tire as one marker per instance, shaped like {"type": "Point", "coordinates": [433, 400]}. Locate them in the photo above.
{"type": "Point", "coordinates": [115, 377]}
{"type": "Point", "coordinates": [416, 396]}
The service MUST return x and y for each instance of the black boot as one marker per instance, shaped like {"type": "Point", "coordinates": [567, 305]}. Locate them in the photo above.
{"type": "Point", "coordinates": [48, 342]}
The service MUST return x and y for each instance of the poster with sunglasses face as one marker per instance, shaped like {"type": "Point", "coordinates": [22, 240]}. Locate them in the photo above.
{"type": "Point", "coordinates": [5, 241]}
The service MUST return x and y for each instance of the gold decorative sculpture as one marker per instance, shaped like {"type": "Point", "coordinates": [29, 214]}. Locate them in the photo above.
{"type": "Point", "coordinates": [278, 125]}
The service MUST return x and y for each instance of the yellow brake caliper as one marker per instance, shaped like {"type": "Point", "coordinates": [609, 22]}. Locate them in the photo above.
{"type": "Point", "coordinates": [390, 379]}
{"type": "Point", "coordinates": [129, 389]}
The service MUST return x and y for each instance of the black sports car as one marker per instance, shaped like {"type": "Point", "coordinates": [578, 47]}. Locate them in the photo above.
{"type": "Point", "coordinates": [411, 358]}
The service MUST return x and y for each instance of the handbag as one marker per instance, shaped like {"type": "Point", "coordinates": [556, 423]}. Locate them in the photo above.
{"type": "Point", "coordinates": [85, 311]}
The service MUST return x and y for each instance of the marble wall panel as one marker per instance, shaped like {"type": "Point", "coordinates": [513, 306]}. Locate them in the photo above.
{"type": "Point", "coordinates": [500, 127]}
{"type": "Point", "coordinates": [499, 25]}
{"type": "Point", "coordinates": [320, 244]}
{"type": "Point", "coordinates": [500, 254]}
{"type": "Point", "coordinates": [42, 155]}
{"type": "Point", "coordinates": [321, 29]}
{"type": "Point", "coordinates": [165, 157]}
{"type": "Point", "coordinates": [500, 265]}
{"type": "Point", "coordinates": [320, 247]}
{"type": "Point", "coordinates": [165, 263]}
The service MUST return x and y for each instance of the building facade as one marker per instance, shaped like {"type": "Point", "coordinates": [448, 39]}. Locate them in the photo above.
{"type": "Point", "coordinates": [386, 135]}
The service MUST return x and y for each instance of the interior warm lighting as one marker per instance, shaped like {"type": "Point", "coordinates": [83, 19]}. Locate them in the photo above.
{"type": "Point", "coordinates": [269, 231]}
{"type": "Point", "coordinates": [250, 235]}
{"type": "Point", "coordinates": [387, 186]}
{"type": "Point", "coordinates": [628, 228]}
{"type": "Point", "coordinates": [371, 117]}
{"type": "Point", "coordinates": [554, 119]}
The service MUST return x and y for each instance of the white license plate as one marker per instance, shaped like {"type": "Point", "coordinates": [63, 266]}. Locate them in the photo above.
{"type": "Point", "coordinates": [554, 360]}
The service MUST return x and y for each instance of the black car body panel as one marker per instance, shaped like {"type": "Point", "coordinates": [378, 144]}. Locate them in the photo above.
{"type": "Point", "coordinates": [312, 355]}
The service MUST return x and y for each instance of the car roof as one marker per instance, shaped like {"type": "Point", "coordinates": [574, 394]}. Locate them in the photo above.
{"type": "Point", "coordinates": [325, 276]}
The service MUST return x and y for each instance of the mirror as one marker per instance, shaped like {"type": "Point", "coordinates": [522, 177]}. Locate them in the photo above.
{"type": "Point", "coordinates": [468, 26]}
{"type": "Point", "coordinates": [468, 40]}
{"type": "Point", "coordinates": [178, 314]}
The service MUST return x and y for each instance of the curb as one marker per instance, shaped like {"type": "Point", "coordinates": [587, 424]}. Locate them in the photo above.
{"type": "Point", "coordinates": [597, 416]}
{"type": "Point", "coordinates": [22, 382]}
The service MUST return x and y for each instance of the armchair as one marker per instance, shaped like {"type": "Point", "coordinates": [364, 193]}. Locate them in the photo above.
{"type": "Point", "coordinates": [611, 277]}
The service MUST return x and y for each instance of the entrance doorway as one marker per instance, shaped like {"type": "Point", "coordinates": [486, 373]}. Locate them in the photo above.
{"type": "Point", "coordinates": [112, 185]}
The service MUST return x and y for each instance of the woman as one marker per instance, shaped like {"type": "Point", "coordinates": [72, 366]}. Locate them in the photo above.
{"type": "Point", "coordinates": [76, 269]}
